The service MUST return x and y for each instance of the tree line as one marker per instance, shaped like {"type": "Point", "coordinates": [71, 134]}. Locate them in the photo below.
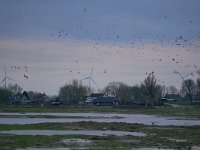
{"type": "Point", "coordinates": [8, 92]}
{"type": "Point", "coordinates": [148, 92]}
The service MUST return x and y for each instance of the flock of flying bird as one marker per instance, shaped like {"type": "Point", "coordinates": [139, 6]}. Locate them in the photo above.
{"type": "Point", "coordinates": [112, 33]}
{"type": "Point", "coordinates": [25, 68]}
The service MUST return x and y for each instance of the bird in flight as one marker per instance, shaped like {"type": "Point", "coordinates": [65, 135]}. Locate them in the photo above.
{"type": "Point", "coordinates": [25, 76]}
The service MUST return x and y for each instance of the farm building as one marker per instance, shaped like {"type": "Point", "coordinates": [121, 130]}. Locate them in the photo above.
{"type": "Point", "coordinates": [99, 99]}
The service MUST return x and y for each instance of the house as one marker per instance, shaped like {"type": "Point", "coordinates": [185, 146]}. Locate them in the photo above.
{"type": "Point", "coordinates": [195, 97]}
{"type": "Point", "coordinates": [171, 98]}
{"type": "Point", "coordinates": [99, 99]}
{"type": "Point", "coordinates": [146, 100]}
{"type": "Point", "coordinates": [105, 101]}
{"type": "Point", "coordinates": [27, 97]}
{"type": "Point", "coordinates": [33, 97]}
{"type": "Point", "coordinates": [15, 99]}
{"type": "Point", "coordinates": [54, 101]}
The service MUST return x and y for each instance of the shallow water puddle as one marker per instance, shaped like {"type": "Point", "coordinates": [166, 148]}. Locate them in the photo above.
{"type": "Point", "coordinates": [76, 142]}
{"type": "Point", "coordinates": [49, 148]}
{"type": "Point", "coordinates": [72, 132]}
{"type": "Point", "coordinates": [109, 117]}
{"type": "Point", "coordinates": [67, 141]}
{"type": "Point", "coordinates": [154, 148]}
{"type": "Point", "coordinates": [146, 148]}
{"type": "Point", "coordinates": [177, 140]}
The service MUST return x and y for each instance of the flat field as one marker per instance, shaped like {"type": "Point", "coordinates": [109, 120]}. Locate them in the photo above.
{"type": "Point", "coordinates": [154, 136]}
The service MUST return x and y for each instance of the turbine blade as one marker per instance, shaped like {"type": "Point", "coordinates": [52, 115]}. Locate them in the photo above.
{"type": "Point", "coordinates": [94, 82]}
{"type": "Point", "coordinates": [189, 74]}
{"type": "Point", "coordinates": [91, 70]}
{"type": "Point", "coordinates": [10, 79]}
{"type": "Point", "coordinates": [5, 70]}
{"type": "Point", "coordinates": [86, 78]}
{"type": "Point", "coordinates": [182, 77]}
{"type": "Point", "coordinates": [2, 81]}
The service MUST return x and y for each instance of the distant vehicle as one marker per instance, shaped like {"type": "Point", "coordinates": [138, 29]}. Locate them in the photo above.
{"type": "Point", "coordinates": [56, 103]}
{"type": "Point", "coordinates": [171, 100]}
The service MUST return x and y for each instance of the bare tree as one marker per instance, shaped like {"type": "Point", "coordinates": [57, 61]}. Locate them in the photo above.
{"type": "Point", "coordinates": [198, 72]}
{"type": "Point", "coordinates": [111, 88]}
{"type": "Point", "coordinates": [64, 93]}
{"type": "Point", "coordinates": [124, 94]}
{"type": "Point", "coordinates": [5, 95]}
{"type": "Point", "coordinates": [72, 92]}
{"type": "Point", "coordinates": [15, 89]}
{"type": "Point", "coordinates": [163, 90]}
{"type": "Point", "coordinates": [151, 90]}
{"type": "Point", "coordinates": [198, 83]}
{"type": "Point", "coordinates": [198, 86]}
{"type": "Point", "coordinates": [120, 90]}
{"type": "Point", "coordinates": [136, 92]}
{"type": "Point", "coordinates": [172, 90]}
{"type": "Point", "coordinates": [189, 88]}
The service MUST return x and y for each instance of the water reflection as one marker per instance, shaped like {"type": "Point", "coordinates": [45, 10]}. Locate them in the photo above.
{"type": "Point", "coordinates": [193, 148]}
{"type": "Point", "coordinates": [126, 118]}
{"type": "Point", "coordinates": [48, 148]}
{"type": "Point", "coordinates": [74, 132]}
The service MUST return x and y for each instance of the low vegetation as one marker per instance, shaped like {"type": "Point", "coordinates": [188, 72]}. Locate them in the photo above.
{"type": "Point", "coordinates": [188, 111]}
{"type": "Point", "coordinates": [169, 137]}
{"type": "Point", "coordinates": [157, 136]}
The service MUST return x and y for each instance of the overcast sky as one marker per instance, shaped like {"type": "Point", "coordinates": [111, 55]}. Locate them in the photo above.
{"type": "Point", "coordinates": [45, 44]}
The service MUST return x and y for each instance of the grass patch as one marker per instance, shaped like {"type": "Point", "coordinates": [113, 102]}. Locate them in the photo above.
{"type": "Point", "coordinates": [24, 141]}
{"type": "Point", "coordinates": [158, 137]}
{"type": "Point", "coordinates": [90, 125]}
{"type": "Point", "coordinates": [58, 117]}
{"type": "Point", "coordinates": [173, 137]}
{"type": "Point", "coordinates": [187, 133]}
{"type": "Point", "coordinates": [165, 110]}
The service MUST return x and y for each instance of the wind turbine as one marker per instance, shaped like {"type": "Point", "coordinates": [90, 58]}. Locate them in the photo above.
{"type": "Point", "coordinates": [6, 77]}
{"type": "Point", "coordinates": [184, 76]}
{"type": "Point", "coordinates": [90, 79]}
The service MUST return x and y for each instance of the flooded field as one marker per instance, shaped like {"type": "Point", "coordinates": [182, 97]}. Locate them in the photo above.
{"type": "Point", "coordinates": [194, 148]}
{"type": "Point", "coordinates": [72, 132]}
{"type": "Point", "coordinates": [97, 117]}
{"type": "Point", "coordinates": [59, 131]}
